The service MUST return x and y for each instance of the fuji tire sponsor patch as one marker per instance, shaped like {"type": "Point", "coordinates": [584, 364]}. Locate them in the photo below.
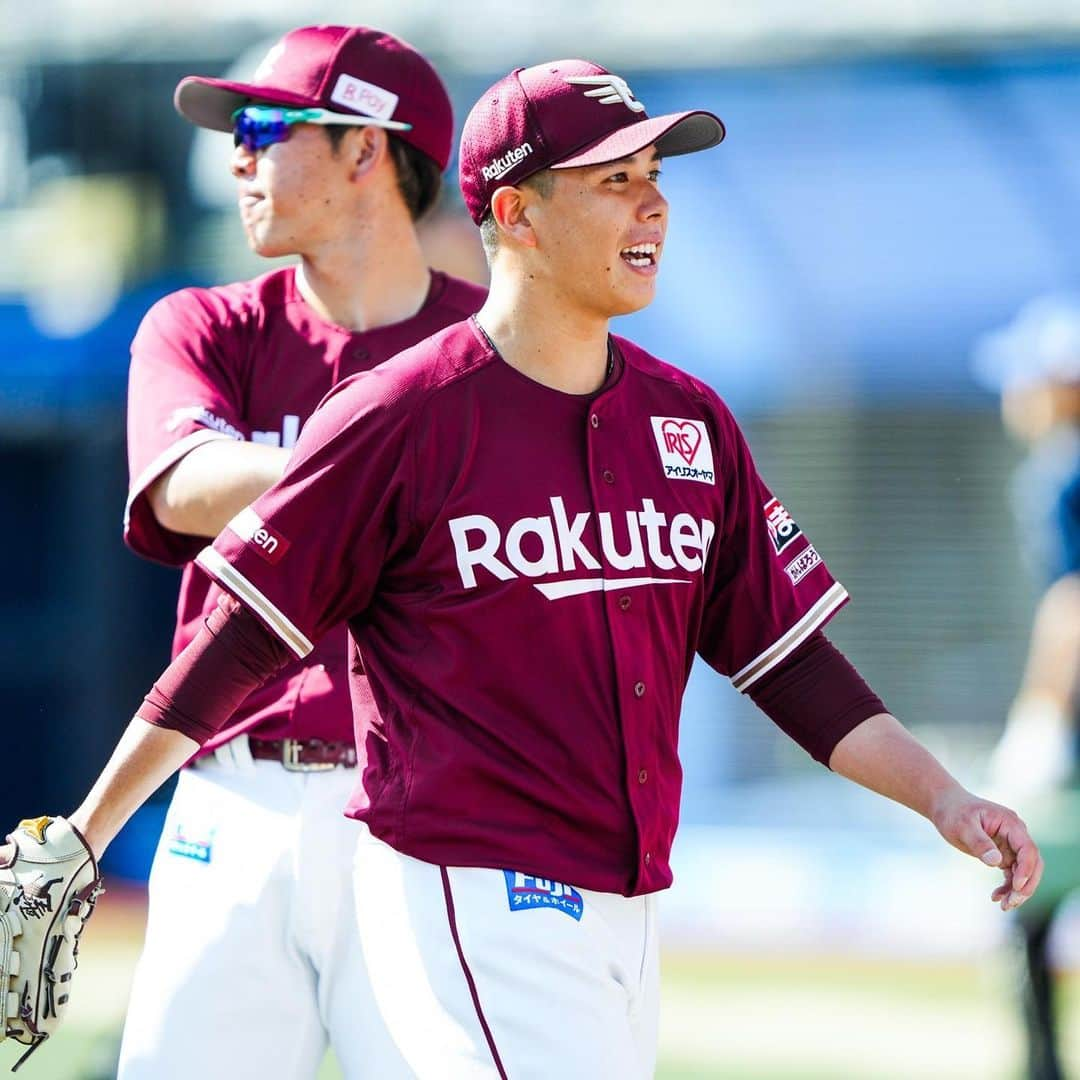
{"type": "Point", "coordinates": [802, 564]}
{"type": "Point", "coordinates": [526, 893]}
{"type": "Point", "coordinates": [782, 528]}
{"type": "Point", "coordinates": [685, 449]}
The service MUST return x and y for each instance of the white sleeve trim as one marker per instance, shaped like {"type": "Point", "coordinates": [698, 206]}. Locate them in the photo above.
{"type": "Point", "coordinates": [826, 605]}
{"type": "Point", "coordinates": [231, 578]}
{"type": "Point", "coordinates": [165, 460]}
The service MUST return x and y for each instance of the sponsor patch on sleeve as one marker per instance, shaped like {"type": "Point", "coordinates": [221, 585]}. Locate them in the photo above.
{"type": "Point", "coordinates": [802, 564]}
{"type": "Point", "coordinates": [268, 544]}
{"type": "Point", "coordinates": [685, 449]}
{"type": "Point", "coordinates": [525, 893]}
{"type": "Point", "coordinates": [782, 528]}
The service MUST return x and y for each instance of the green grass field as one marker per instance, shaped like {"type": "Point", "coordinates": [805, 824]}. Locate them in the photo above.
{"type": "Point", "coordinates": [724, 1017]}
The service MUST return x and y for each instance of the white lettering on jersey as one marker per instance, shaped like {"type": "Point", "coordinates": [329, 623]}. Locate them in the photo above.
{"type": "Point", "coordinates": [536, 547]}
{"type": "Point", "coordinates": [286, 437]}
{"type": "Point", "coordinates": [250, 527]}
{"type": "Point", "coordinates": [570, 544]}
{"type": "Point", "coordinates": [685, 449]}
{"type": "Point", "coordinates": [547, 563]}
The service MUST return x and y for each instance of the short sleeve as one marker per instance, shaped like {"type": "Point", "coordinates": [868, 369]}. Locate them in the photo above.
{"type": "Point", "coordinates": [307, 554]}
{"type": "Point", "coordinates": [767, 589]}
{"type": "Point", "coordinates": [183, 390]}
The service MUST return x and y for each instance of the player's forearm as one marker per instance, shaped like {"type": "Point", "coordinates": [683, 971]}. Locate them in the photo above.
{"type": "Point", "coordinates": [882, 755]}
{"type": "Point", "coordinates": [1052, 674]}
{"type": "Point", "coordinates": [212, 483]}
{"type": "Point", "coordinates": [143, 760]}
{"type": "Point", "coordinates": [194, 697]}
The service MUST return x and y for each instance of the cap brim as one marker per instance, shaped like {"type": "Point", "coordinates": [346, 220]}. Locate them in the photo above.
{"type": "Point", "coordinates": [210, 103]}
{"type": "Point", "coordinates": [674, 134]}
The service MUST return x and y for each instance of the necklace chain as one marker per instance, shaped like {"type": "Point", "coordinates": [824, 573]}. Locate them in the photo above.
{"type": "Point", "coordinates": [610, 350]}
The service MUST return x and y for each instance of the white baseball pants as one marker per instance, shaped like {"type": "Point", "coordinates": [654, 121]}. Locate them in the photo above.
{"type": "Point", "coordinates": [486, 974]}
{"type": "Point", "coordinates": [252, 962]}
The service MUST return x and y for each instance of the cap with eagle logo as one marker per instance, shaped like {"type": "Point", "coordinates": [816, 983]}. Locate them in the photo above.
{"type": "Point", "coordinates": [344, 69]}
{"type": "Point", "coordinates": [562, 115]}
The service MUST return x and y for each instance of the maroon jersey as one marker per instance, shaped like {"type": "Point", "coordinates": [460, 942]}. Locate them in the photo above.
{"type": "Point", "coordinates": [252, 361]}
{"type": "Point", "coordinates": [528, 575]}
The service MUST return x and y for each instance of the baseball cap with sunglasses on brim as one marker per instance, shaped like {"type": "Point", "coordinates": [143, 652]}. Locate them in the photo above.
{"type": "Point", "coordinates": [563, 115]}
{"type": "Point", "coordinates": [259, 126]}
{"type": "Point", "coordinates": [337, 75]}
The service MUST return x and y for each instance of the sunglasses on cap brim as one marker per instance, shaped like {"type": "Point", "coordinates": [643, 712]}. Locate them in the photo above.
{"type": "Point", "coordinates": [258, 126]}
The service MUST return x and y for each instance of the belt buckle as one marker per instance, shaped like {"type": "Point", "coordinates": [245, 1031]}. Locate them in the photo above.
{"type": "Point", "coordinates": [291, 750]}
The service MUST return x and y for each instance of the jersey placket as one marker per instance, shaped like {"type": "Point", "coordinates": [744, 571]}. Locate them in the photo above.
{"type": "Point", "coordinates": [610, 472]}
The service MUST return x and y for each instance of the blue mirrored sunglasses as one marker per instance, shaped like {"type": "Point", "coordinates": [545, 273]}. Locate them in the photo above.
{"type": "Point", "coordinates": [259, 126]}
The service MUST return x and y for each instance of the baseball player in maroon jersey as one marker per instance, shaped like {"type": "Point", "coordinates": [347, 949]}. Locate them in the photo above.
{"type": "Point", "coordinates": [341, 139]}
{"type": "Point", "coordinates": [531, 526]}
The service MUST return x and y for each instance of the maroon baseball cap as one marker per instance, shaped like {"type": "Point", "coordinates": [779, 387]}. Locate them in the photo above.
{"type": "Point", "coordinates": [561, 115]}
{"type": "Point", "coordinates": [344, 69]}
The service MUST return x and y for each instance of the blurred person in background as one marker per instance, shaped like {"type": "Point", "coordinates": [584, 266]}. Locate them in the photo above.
{"type": "Point", "coordinates": [340, 140]}
{"type": "Point", "coordinates": [1034, 363]}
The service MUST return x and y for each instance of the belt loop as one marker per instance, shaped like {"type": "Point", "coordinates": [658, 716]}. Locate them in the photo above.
{"type": "Point", "coordinates": [224, 756]}
{"type": "Point", "coordinates": [241, 749]}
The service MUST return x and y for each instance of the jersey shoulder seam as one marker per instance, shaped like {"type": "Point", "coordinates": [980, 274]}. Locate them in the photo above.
{"type": "Point", "coordinates": [712, 404]}
{"type": "Point", "coordinates": [660, 371]}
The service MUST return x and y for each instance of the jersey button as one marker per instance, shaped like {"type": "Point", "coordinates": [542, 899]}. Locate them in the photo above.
{"type": "Point", "coordinates": [594, 420]}
{"type": "Point", "coordinates": [624, 603]}
{"type": "Point", "coordinates": [643, 776]}
{"type": "Point", "coordinates": [609, 476]}
{"type": "Point", "coordinates": [639, 689]}
{"type": "Point", "coordinates": [648, 857]}
{"type": "Point", "coordinates": [360, 353]}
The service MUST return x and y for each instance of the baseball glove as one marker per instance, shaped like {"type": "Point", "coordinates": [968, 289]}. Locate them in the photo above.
{"type": "Point", "coordinates": [49, 883]}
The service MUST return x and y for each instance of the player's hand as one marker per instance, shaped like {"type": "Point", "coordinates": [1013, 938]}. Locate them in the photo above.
{"type": "Point", "coordinates": [996, 836]}
{"type": "Point", "coordinates": [1035, 753]}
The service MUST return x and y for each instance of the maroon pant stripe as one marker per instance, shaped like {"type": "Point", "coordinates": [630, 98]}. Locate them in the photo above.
{"type": "Point", "coordinates": [468, 974]}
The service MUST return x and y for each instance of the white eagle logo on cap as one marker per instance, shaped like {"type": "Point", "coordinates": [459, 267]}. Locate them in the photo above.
{"type": "Point", "coordinates": [609, 90]}
{"type": "Point", "coordinates": [266, 65]}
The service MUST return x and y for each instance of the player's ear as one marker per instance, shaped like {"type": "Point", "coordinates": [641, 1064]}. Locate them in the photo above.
{"type": "Point", "coordinates": [509, 208]}
{"type": "Point", "coordinates": [366, 147]}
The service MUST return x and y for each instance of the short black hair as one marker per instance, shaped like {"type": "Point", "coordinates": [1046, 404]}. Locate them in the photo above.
{"type": "Point", "coordinates": [419, 177]}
